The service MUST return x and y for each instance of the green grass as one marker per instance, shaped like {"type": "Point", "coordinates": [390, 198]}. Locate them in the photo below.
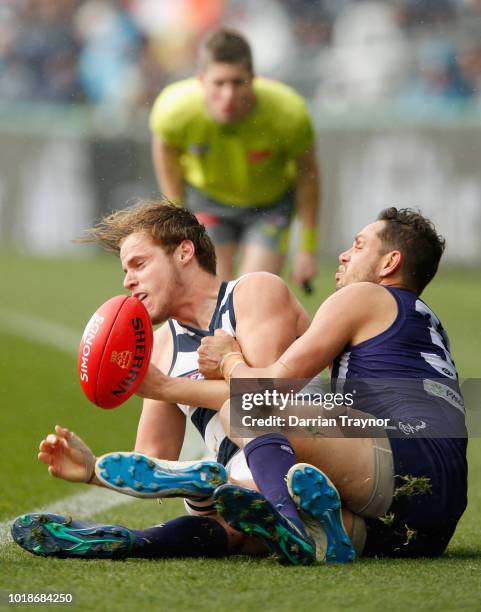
{"type": "Point", "coordinates": [244, 584]}
{"type": "Point", "coordinates": [38, 384]}
{"type": "Point", "coordinates": [38, 388]}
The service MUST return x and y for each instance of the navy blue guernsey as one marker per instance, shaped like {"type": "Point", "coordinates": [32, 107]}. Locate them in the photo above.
{"type": "Point", "coordinates": [186, 341]}
{"type": "Point", "coordinates": [406, 372]}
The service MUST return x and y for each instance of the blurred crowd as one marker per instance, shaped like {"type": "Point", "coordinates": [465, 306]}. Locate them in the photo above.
{"type": "Point", "coordinates": [119, 54]}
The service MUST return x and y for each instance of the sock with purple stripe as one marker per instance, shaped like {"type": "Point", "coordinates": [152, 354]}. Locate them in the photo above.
{"type": "Point", "coordinates": [185, 536]}
{"type": "Point", "coordinates": [269, 458]}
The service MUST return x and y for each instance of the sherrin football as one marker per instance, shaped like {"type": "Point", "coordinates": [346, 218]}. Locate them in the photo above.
{"type": "Point", "coordinates": [115, 350]}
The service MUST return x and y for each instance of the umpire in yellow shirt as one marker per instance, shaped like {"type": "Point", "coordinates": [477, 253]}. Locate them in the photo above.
{"type": "Point", "coordinates": [238, 151]}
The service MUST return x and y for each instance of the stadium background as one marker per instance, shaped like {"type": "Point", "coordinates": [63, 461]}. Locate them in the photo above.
{"type": "Point", "coordinates": [394, 90]}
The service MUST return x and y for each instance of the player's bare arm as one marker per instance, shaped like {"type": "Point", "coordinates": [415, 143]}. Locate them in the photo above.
{"type": "Point", "coordinates": [308, 193]}
{"type": "Point", "coordinates": [263, 333]}
{"type": "Point", "coordinates": [168, 169]}
{"type": "Point", "coordinates": [161, 428]}
{"type": "Point", "coordinates": [172, 390]}
{"type": "Point", "coordinates": [349, 316]}
{"type": "Point", "coordinates": [269, 317]}
{"type": "Point", "coordinates": [207, 393]}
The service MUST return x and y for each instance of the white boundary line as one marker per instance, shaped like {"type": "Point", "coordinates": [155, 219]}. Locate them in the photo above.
{"type": "Point", "coordinates": [40, 330]}
{"type": "Point", "coordinates": [81, 505]}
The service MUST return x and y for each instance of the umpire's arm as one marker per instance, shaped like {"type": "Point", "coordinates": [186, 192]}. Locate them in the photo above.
{"type": "Point", "coordinates": [168, 169]}
{"type": "Point", "coordinates": [308, 201]}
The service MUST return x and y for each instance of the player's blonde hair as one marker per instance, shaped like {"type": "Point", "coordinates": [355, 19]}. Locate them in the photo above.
{"type": "Point", "coordinates": [167, 223]}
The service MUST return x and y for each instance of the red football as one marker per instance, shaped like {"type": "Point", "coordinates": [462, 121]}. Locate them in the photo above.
{"type": "Point", "coordinates": [114, 352]}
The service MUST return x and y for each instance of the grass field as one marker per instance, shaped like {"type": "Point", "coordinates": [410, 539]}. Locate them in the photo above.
{"type": "Point", "coordinates": [44, 306]}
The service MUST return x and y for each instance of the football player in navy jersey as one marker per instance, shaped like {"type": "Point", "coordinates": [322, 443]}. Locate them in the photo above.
{"type": "Point", "coordinates": [404, 494]}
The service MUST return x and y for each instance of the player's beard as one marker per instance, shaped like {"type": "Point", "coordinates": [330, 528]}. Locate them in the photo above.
{"type": "Point", "coordinates": [349, 277]}
{"type": "Point", "coordinates": [166, 310]}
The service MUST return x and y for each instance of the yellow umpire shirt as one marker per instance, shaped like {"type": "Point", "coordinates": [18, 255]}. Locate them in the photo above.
{"type": "Point", "coordinates": [244, 163]}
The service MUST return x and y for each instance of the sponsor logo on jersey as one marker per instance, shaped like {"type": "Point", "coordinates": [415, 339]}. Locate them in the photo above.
{"type": "Point", "coordinates": [257, 155]}
{"type": "Point", "coordinates": [196, 375]}
{"type": "Point", "coordinates": [412, 427]}
{"type": "Point", "coordinates": [433, 387]}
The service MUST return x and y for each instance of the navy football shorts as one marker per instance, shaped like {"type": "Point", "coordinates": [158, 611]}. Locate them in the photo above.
{"type": "Point", "coordinates": [430, 495]}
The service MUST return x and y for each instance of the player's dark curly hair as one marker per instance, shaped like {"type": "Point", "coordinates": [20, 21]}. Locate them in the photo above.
{"type": "Point", "coordinates": [416, 238]}
{"type": "Point", "coordinates": [167, 223]}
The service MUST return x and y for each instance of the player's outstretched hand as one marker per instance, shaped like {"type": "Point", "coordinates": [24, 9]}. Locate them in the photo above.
{"type": "Point", "coordinates": [212, 350]}
{"type": "Point", "coordinates": [67, 456]}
